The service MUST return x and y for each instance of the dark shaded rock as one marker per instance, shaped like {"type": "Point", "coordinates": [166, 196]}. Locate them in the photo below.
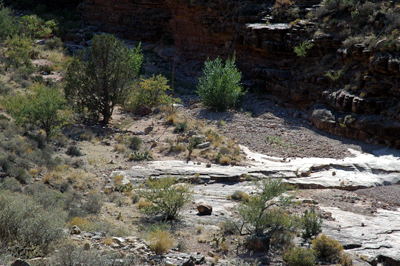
{"type": "Point", "coordinates": [204, 209]}
{"type": "Point", "coordinates": [142, 111]}
{"type": "Point", "coordinates": [258, 243]}
{"type": "Point", "coordinates": [20, 263]}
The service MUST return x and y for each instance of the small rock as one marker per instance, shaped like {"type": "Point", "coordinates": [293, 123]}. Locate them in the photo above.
{"type": "Point", "coordinates": [118, 240]}
{"type": "Point", "coordinates": [142, 111]}
{"type": "Point", "coordinates": [106, 142]}
{"type": "Point", "coordinates": [20, 263]}
{"type": "Point", "coordinates": [203, 145]}
{"type": "Point", "coordinates": [208, 165]}
{"type": "Point", "coordinates": [75, 230]}
{"type": "Point", "coordinates": [204, 209]}
{"type": "Point", "coordinates": [147, 130]}
{"type": "Point", "coordinates": [139, 132]}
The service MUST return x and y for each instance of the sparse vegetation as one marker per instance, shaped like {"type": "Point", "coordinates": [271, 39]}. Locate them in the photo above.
{"type": "Point", "coordinates": [312, 223]}
{"type": "Point", "coordinates": [160, 241]}
{"type": "Point", "coordinates": [327, 249]}
{"type": "Point", "coordinates": [167, 197]}
{"type": "Point", "coordinates": [300, 257]}
{"type": "Point", "coordinates": [301, 50]}
{"type": "Point", "coordinates": [261, 214]}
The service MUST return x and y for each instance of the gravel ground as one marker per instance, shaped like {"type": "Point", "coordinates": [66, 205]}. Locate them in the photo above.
{"type": "Point", "coordinates": [268, 128]}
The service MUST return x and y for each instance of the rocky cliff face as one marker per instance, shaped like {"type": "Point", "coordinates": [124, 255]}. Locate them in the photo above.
{"type": "Point", "coordinates": [363, 105]}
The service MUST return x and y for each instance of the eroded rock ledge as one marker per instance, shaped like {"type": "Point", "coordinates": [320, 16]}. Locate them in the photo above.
{"type": "Point", "coordinates": [361, 171]}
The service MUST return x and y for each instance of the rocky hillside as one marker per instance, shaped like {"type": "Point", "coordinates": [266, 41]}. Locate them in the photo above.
{"type": "Point", "coordinates": [346, 74]}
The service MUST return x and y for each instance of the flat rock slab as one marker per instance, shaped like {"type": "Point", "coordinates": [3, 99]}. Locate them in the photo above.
{"type": "Point", "coordinates": [372, 237]}
{"type": "Point", "coordinates": [361, 171]}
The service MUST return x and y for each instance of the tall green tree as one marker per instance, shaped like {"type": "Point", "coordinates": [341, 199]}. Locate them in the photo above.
{"type": "Point", "coordinates": [102, 79]}
{"type": "Point", "coordinates": [42, 106]}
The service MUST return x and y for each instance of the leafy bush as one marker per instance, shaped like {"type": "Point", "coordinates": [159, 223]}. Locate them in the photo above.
{"type": "Point", "coordinates": [299, 257]}
{"type": "Point", "coordinates": [312, 223]}
{"type": "Point", "coordinates": [167, 197]}
{"type": "Point", "coordinates": [35, 27]}
{"type": "Point", "coordinates": [134, 143]}
{"type": "Point", "coordinates": [150, 92]}
{"type": "Point", "coordinates": [53, 43]}
{"type": "Point", "coordinates": [160, 241]}
{"type": "Point", "coordinates": [103, 79]}
{"type": "Point", "coordinates": [219, 87]}
{"type": "Point", "coordinates": [44, 107]}
{"type": "Point", "coordinates": [73, 151]}
{"type": "Point", "coordinates": [19, 51]}
{"type": "Point", "coordinates": [260, 213]}
{"type": "Point", "coordinates": [301, 50]}
{"type": "Point", "coordinates": [327, 249]}
{"type": "Point", "coordinates": [8, 23]}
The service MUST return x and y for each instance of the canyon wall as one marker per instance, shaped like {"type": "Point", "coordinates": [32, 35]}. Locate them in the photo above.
{"type": "Point", "coordinates": [198, 29]}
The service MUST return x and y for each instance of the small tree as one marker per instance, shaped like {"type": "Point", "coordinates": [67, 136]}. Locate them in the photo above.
{"type": "Point", "coordinates": [312, 223]}
{"type": "Point", "coordinates": [167, 197]}
{"type": "Point", "coordinates": [260, 214]}
{"type": "Point", "coordinates": [220, 87]}
{"type": "Point", "coordinates": [44, 107]}
{"type": "Point", "coordinates": [103, 80]}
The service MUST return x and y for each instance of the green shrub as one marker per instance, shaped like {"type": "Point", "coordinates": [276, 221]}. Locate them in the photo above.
{"type": "Point", "coordinates": [299, 257]}
{"type": "Point", "coordinates": [8, 23]}
{"type": "Point", "coordinates": [167, 197]}
{"type": "Point", "coordinates": [219, 87]}
{"type": "Point", "coordinates": [312, 223]}
{"type": "Point", "coordinates": [44, 107]}
{"type": "Point", "coordinates": [301, 50]}
{"type": "Point", "coordinates": [103, 79]}
{"type": "Point", "coordinates": [73, 151]}
{"type": "Point", "coordinates": [260, 212]}
{"type": "Point", "coordinates": [19, 52]}
{"type": "Point", "coordinates": [327, 249]}
{"type": "Point", "coordinates": [150, 92]}
{"type": "Point", "coordinates": [35, 27]}
{"type": "Point", "coordinates": [53, 43]}
{"type": "Point", "coordinates": [135, 143]}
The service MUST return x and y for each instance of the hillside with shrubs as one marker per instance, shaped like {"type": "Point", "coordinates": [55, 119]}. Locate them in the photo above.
{"type": "Point", "coordinates": [71, 115]}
